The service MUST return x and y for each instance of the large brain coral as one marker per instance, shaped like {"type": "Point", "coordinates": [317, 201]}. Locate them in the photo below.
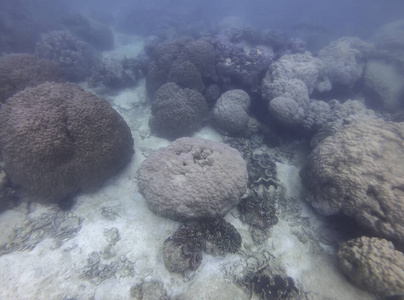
{"type": "Point", "coordinates": [373, 265]}
{"type": "Point", "coordinates": [359, 172]}
{"type": "Point", "coordinates": [19, 71]}
{"type": "Point", "coordinates": [177, 112]}
{"type": "Point", "coordinates": [193, 178]}
{"type": "Point", "coordinates": [57, 139]}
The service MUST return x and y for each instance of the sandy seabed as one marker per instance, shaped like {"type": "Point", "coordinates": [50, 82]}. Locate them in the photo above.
{"type": "Point", "coordinates": [110, 244]}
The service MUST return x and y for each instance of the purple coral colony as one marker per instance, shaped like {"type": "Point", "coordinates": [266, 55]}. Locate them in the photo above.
{"type": "Point", "coordinates": [236, 99]}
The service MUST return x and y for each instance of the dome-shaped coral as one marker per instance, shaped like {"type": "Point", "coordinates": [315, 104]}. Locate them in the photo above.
{"type": "Point", "coordinates": [193, 178]}
{"type": "Point", "coordinates": [57, 139]}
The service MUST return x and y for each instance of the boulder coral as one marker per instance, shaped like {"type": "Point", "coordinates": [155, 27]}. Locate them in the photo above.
{"type": "Point", "coordinates": [358, 172]}
{"type": "Point", "coordinates": [230, 112]}
{"type": "Point", "coordinates": [177, 112]}
{"type": "Point", "coordinates": [186, 75]}
{"type": "Point", "coordinates": [237, 65]}
{"type": "Point", "coordinates": [374, 265]}
{"type": "Point", "coordinates": [18, 71]}
{"type": "Point", "coordinates": [57, 139]}
{"type": "Point", "coordinates": [287, 86]}
{"type": "Point", "coordinates": [182, 61]}
{"type": "Point", "coordinates": [286, 111]}
{"type": "Point", "coordinates": [73, 57]}
{"type": "Point", "coordinates": [202, 54]}
{"type": "Point", "coordinates": [193, 178]}
{"type": "Point", "coordinates": [344, 60]}
{"type": "Point", "coordinates": [301, 66]}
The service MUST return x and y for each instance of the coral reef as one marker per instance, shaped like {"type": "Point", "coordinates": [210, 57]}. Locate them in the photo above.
{"type": "Point", "coordinates": [202, 54]}
{"type": "Point", "coordinates": [230, 112]}
{"type": "Point", "coordinates": [71, 55]}
{"type": "Point", "coordinates": [183, 61]}
{"type": "Point", "coordinates": [243, 67]}
{"type": "Point", "coordinates": [257, 211]}
{"type": "Point", "coordinates": [274, 287]}
{"type": "Point", "coordinates": [286, 111]}
{"type": "Point", "coordinates": [344, 60]}
{"type": "Point", "coordinates": [185, 74]}
{"type": "Point", "coordinates": [212, 93]}
{"type": "Point", "coordinates": [115, 74]}
{"type": "Point", "coordinates": [303, 67]}
{"type": "Point", "coordinates": [57, 139]}
{"type": "Point", "coordinates": [193, 178]}
{"type": "Point", "coordinates": [267, 284]}
{"type": "Point", "coordinates": [182, 251]}
{"type": "Point", "coordinates": [18, 71]}
{"type": "Point", "coordinates": [357, 172]}
{"type": "Point", "coordinates": [373, 265]}
{"type": "Point", "coordinates": [177, 112]}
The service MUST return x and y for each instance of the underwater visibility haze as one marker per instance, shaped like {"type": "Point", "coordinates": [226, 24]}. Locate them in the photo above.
{"type": "Point", "coordinates": [185, 150]}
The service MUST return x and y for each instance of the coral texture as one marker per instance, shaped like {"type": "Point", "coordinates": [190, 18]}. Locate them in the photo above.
{"type": "Point", "coordinates": [177, 112]}
{"type": "Point", "coordinates": [244, 67]}
{"type": "Point", "coordinates": [373, 265]}
{"type": "Point", "coordinates": [193, 178]}
{"type": "Point", "coordinates": [344, 60]}
{"type": "Point", "coordinates": [57, 139]}
{"type": "Point", "coordinates": [230, 112]}
{"type": "Point", "coordinates": [358, 172]}
{"type": "Point", "coordinates": [304, 67]}
{"type": "Point", "coordinates": [286, 110]}
{"type": "Point", "coordinates": [183, 249]}
{"type": "Point", "coordinates": [19, 71]}
{"type": "Point", "coordinates": [182, 61]}
{"type": "Point", "coordinates": [186, 75]}
{"type": "Point", "coordinates": [71, 55]}
{"type": "Point", "coordinates": [202, 54]}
